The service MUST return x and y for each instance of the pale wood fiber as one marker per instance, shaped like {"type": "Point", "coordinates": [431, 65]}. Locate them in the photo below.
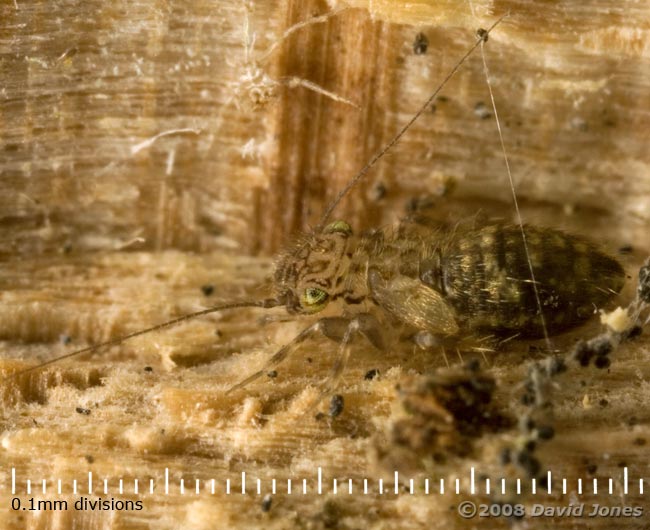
{"type": "Point", "coordinates": [103, 232]}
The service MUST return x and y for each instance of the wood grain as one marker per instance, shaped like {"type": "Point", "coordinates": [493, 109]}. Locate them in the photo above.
{"type": "Point", "coordinates": [152, 148]}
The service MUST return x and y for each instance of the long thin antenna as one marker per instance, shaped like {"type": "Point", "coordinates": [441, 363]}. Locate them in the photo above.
{"type": "Point", "coordinates": [270, 302]}
{"type": "Point", "coordinates": [520, 221]}
{"type": "Point", "coordinates": [379, 154]}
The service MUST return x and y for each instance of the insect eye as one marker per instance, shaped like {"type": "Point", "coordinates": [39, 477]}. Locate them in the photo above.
{"type": "Point", "coordinates": [314, 299]}
{"type": "Point", "coordinates": [338, 227]}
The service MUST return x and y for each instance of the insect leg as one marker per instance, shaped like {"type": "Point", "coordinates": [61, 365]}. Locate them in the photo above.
{"type": "Point", "coordinates": [369, 327]}
{"type": "Point", "coordinates": [281, 354]}
{"type": "Point", "coordinates": [335, 328]}
{"type": "Point", "coordinates": [433, 343]}
{"type": "Point", "coordinates": [425, 340]}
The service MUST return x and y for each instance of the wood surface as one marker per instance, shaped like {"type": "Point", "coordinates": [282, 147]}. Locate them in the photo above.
{"type": "Point", "coordinates": [149, 149]}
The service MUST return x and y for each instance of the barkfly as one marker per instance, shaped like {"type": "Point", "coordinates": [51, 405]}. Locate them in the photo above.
{"type": "Point", "coordinates": [498, 279]}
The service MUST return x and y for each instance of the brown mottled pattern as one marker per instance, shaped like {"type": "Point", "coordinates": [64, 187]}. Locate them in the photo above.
{"type": "Point", "coordinates": [486, 278]}
{"type": "Point", "coordinates": [483, 274]}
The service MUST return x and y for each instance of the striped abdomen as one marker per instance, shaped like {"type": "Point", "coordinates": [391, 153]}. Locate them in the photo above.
{"type": "Point", "coordinates": [485, 276]}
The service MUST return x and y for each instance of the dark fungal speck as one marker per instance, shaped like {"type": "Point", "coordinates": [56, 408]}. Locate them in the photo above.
{"type": "Point", "coordinates": [481, 111]}
{"type": "Point", "coordinates": [207, 289]}
{"type": "Point", "coordinates": [81, 410]}
{"type": "Point", "coordinates": [529, 463]}
{"type": "Point", "coordinates": [598, 347]}
{"type": "Point", "coordinates": [626, 249]}
{"type": "Point", "coordinates": [148, 369]}
{"type": "Point", "coordinates": [581, 353]}
{"type": "Point", "coordinates": [545, 432]}
{"type": "Point", "coordinates": [602, 362]}
{"type": "Point", "coordinates": [635, 332]}
{"type": "Point", "coordinates": [421, 44]}
{"type": "Point", "coordinates": [602, 347]}
{"type": "Point", "coordinates": [371, 374]}
{"type": "Point", "coordinates": [330, 514]}
{"type": "Point", "coordinates": [336, 405]}
{"type": "Point", "coordinates": [379, 191]}
{"type": "Point", "coordinates": [266, 503]}
{"type": "Point", "coordinates": [556, 366]}
{"type": "Point", "coordinates": [483, 34]}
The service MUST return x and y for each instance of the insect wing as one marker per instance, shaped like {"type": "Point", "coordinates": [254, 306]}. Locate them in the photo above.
{"type": "Point", "coordinates": [413, 303]}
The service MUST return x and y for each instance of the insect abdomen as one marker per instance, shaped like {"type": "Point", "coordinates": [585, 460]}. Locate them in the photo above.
{"type": "Point", "coordinates": [485, 276]}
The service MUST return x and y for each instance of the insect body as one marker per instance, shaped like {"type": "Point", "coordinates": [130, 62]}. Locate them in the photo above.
{"type": "Point", "coordinates": [474, 280]}
{"type": "Point", "coordinates": [443, 285]}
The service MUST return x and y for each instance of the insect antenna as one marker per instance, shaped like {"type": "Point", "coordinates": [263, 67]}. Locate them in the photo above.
{"type": "Point", "coordinates": [482, 37]}
{"type": "Point", "coordinates": [265, 303]}
{"type": "Point", "coordinates": [520, 221]}
{"type": "Point", "coordinates": [272, 302]}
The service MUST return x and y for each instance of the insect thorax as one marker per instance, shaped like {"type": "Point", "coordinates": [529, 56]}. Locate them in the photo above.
{"type": "Point", "coordinates": [334, 264]}
{"type": "Point", "coordinates": [337, 262]}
